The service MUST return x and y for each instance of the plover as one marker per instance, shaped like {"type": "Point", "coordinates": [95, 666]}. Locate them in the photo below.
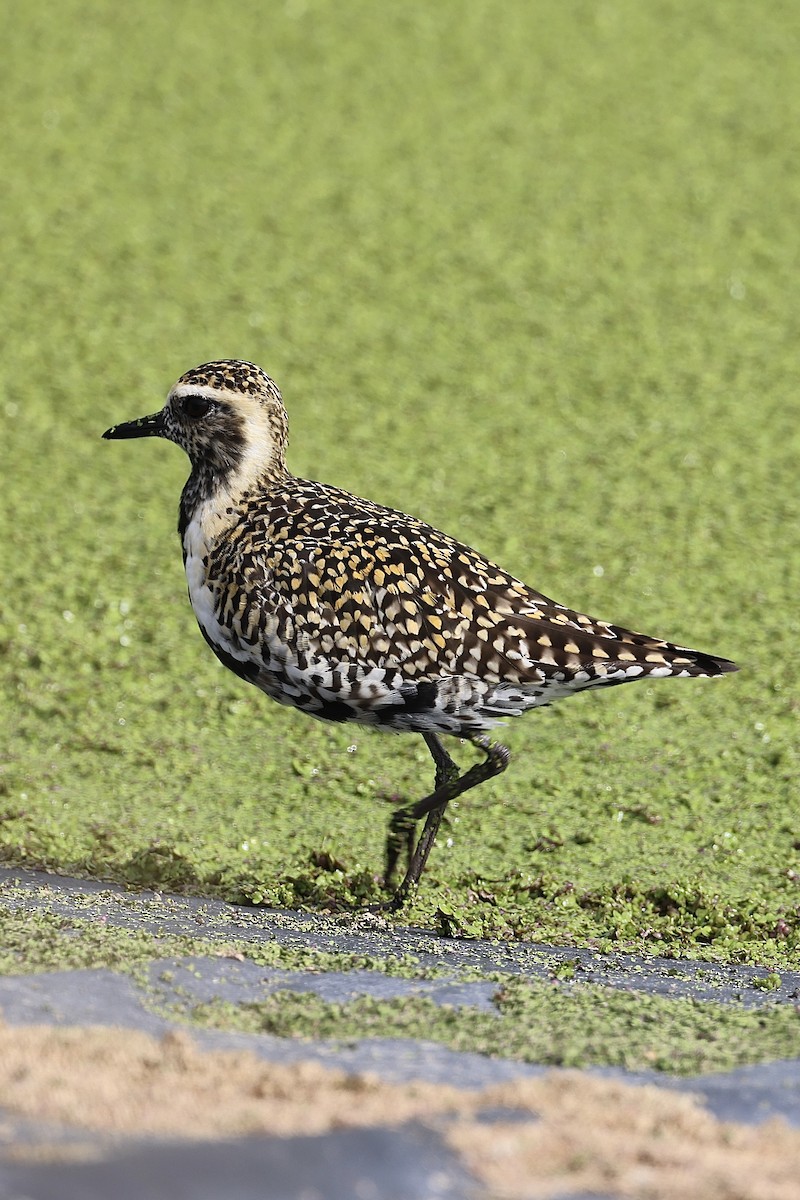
{"type": "Point", "coordinates": [351, 611]}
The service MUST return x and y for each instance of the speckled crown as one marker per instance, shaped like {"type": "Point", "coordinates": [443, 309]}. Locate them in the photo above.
{"type": "Point", "coordinates": [231, 374]}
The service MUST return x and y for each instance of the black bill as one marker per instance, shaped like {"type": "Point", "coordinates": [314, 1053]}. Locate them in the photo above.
{"type": "Point", "coordinates": [152, 426]}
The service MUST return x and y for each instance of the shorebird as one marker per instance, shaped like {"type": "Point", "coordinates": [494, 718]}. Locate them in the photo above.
{"type": "Point", "coordinates": [351, 611]}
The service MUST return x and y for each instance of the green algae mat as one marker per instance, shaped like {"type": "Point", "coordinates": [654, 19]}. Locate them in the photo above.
{"type": "Point", "coordinates": [531, 276]}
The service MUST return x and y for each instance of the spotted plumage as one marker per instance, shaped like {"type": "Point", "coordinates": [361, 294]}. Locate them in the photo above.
{"type": "Point", "coordinates": [351, 611]}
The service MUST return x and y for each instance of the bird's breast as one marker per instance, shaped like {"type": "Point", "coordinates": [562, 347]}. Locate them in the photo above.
{"type": "Point", "coordinates": [196, 552]}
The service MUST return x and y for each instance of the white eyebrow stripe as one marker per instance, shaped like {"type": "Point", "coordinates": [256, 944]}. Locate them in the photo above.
{"type": "Point", "coordinates": [206, 391]}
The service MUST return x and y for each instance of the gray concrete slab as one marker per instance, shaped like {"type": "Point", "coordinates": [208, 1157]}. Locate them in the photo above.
{"type": "Point", "coordinates": [193, 980]}
{"type": "Point", "coordinates": [409, 1163]}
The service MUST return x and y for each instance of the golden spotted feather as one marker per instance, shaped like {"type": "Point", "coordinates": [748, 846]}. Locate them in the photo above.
{"type": "Point", "coordinates": [353, 611]}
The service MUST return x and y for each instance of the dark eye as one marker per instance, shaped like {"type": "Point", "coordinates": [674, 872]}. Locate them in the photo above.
{"type": "Point", "coordinates": [196, 406]}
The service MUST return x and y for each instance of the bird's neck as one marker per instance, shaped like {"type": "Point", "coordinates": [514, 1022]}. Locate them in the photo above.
{"type": "Point", "coordinates": [214, 503]}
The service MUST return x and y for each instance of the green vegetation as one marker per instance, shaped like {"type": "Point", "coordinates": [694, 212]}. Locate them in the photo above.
{"type": "Point", "coordinates": [533, 279]}
{"type": "Point", "coordinates": [33, 942]}
{"type": "Point", "coordinates": [40, 941]}
{"type": "Point", "coordinates": [590, 1026]}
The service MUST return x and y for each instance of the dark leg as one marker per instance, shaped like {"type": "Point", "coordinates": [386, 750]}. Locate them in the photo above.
{"type": "Point", "coordinates": [448, 786]}
{"type": "Point", "coordinates": [446, 771]}
{"type": "Point", "coordinates": [446, 768]}
{"type": "Point", "coordinates": [401, 833]}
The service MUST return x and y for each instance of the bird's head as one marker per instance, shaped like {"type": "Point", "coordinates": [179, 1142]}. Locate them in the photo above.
{"type": "Point", "coordinates": [229, 418]}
